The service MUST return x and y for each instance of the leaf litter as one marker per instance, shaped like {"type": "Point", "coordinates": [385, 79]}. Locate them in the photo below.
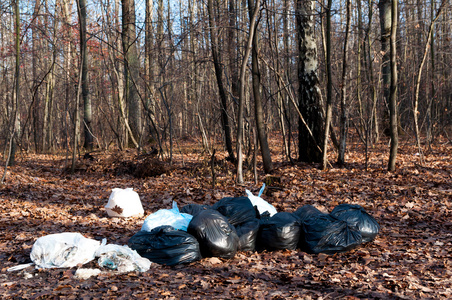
{"type": "Point", "coordinates": [410, 259]}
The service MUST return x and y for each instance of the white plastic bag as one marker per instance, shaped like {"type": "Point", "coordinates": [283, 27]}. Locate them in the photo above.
{"type": "Point", "coordinates": [124, 203]}
{"type": "Point", "coordinates": [261, 204]}
{"type": "Point", "coordinates": [170, 217]}
{"type": "Point", "coordinates": [122, 259]}
{"type": "Point", "coordinates": [63, 250]}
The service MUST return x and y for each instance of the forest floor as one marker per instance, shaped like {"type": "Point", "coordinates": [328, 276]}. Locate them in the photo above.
{"type": "Point", "coordinates": [411, 258]}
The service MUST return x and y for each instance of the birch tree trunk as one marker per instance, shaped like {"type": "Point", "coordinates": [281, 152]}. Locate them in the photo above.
{"type": "Point", "coordinates": [309, 102]}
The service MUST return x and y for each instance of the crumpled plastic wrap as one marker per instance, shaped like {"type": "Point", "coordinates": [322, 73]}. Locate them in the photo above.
{"type": "Point", "coordinates": [63, 250]}
{"type": "Point", "coordinates": [121, 259]}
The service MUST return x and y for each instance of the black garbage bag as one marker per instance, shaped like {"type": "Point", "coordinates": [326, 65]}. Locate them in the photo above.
{"type": "Point", "coordinates": [194, 209]}
{"type": "Point", "coordinates": [307, 211]}
{"type": "Point", "coordinates": [166, 245]}
{"type": "Point", "coordinates": [238, 210]}
{"type": "Point", "coordinates": [326, 234]}
{"type": "Point", "coordinates": [247, 233]}
{"type": "Point", "coordinates": [356, 215]}
{"type": "Point", "coordinates": [216, 237]}
{"type": "Point", "coordinates": [281, 231]}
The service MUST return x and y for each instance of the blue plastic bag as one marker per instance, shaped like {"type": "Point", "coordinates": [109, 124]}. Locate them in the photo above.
{"type": "Point", "coordinates": [172, 217]}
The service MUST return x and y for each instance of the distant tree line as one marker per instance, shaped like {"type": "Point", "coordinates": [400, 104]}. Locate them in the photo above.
{"type": "Point", "coordinates": [96, 74]}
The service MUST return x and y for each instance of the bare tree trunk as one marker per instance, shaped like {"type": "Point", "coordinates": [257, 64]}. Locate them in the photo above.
{"type": "Point", "coordinates": [15, 120]}
{"type": "Point", "coordinates": [329, 88]}
{"type": "Point", "coordinates": [219, 75]}
{"type": "Point", "coordinates": [259, 114]}
{"type": "Point", "coordinates": [393, 95]}
{"type": "Point", "coordinates": [312, 130]}
{"type": "Point", "coordinates": [67, 63]}
{"type": "Point", "coordinates": [433, 91]}
{"type": "Point", "coordinates": [149, 55]}
{"type": "Point", "coordinates": [385, 24]}
{"type": "Point", "coordinates": [131, 66]}
{"type": "Point", "coordinates": [36, 73]}
{"type": "Point", "coordinates": [242, 94]}
{"type": "Point", "coordinates": [87, 111]}
{"type": "Point", "coordinates": [232, 49]}
{"type": "Point", "coordinates": [344, 110]}
{"type": "Point", "coordinates": [77, 98]}
{"type": "Point", "coordinates": [372, 107]}
{"type": "Point", "coordinates": [418, 82]}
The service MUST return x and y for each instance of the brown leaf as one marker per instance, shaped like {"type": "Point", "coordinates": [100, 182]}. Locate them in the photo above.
{"type": "Point", "coordinates": [117, 209]}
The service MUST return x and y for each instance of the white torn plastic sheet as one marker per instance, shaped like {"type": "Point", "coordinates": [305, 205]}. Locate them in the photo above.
{"type": "Point", "coordinates": [124, 203]}
{"type": "Point", "coordinates": [63, 250]}
{"type": "Point", "coordinates": [171, 217]}
{"type": "Point", "coordinates": [121, 259]}
{"type": "Point", "coordinates": [262, 205]}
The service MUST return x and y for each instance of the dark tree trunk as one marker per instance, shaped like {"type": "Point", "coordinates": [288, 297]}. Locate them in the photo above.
{"type": "Point", "coordinates": [393, 91]}
{"type": "Point", "coordinates": [259, 114]}
{"type": "Point", "coordinates": [219, 76]}
{"type": "Point", "coordinates": [87, 112]}
{"type": "Point", "coordinates": [131, 66]}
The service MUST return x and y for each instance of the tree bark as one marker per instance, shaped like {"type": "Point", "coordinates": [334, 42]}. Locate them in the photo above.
{"type": "Point", "coordinates": [258, 111]}
{"type": "Point", "coordinates": [15, 115]}
{"type": "Point", "coordinates": [309, 92]}
{"type": "Point", "coordinates": [393, 95]}
{"type": "Point", "coordinates": [385, 25]}
{"type": "Point", "coordinates": [131, 66]}
{"type": "Point", "coordinates": [37, 133]}
{"type": "Point", "coordinates": [87, 111]}
{"type": "Point", "coordinates": [219, 76]}
{"type": "Point", "coordinates": [242, 94]}
{"type": "Point", "coordinates": [418, 81]}
{"type": "Point", "coordinates": [329, 87]}
{"type": "Point", "coordinates": [344, 110]}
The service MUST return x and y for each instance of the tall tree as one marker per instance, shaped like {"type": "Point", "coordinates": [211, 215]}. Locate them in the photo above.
{"type": "Point", "coordinates": [37, 41]}
{"type": "Point", "coordinates": [385, 25]}
{"type": "Point", "coordinates": [258, 111]}
{"type": "Point", "coordinates": [418, 80]}
{"type": "Point", "coordinates": [310, 134]}
{"type": "Point", "coordinates": [344, 110]}
{"type": "Point", "coordinates": [393, 90]}
{"type": "Point", "coordinates": [131, 66]}
{"type": "Point", "coordinates": [232, 48]}
{"type": "Point", "coordinates": [15, 114]}
{"type": "Point", "coordinates": [249, 45]}
{"type": "Point", "coordinates": [329, 87]}
{"type": "Point", "coordinates": [87, 111]}
{"type": "Point", "coordinates": [149, 64]}
{"type": "Point", "coordinates": [214, 41]}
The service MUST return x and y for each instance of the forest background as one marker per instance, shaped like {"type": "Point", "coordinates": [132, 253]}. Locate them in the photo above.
{"type": "Point", "coordinates": [120, 73]}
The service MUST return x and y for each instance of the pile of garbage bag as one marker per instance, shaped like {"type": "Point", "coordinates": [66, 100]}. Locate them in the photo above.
{"type": "Point", "coordinates": [173, 236]}
{"type": "Point", "coordinates": [250, 224]}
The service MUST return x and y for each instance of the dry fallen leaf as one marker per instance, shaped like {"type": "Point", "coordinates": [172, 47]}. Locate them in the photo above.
{"type": "Point", "coordinates": [409, 259]}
